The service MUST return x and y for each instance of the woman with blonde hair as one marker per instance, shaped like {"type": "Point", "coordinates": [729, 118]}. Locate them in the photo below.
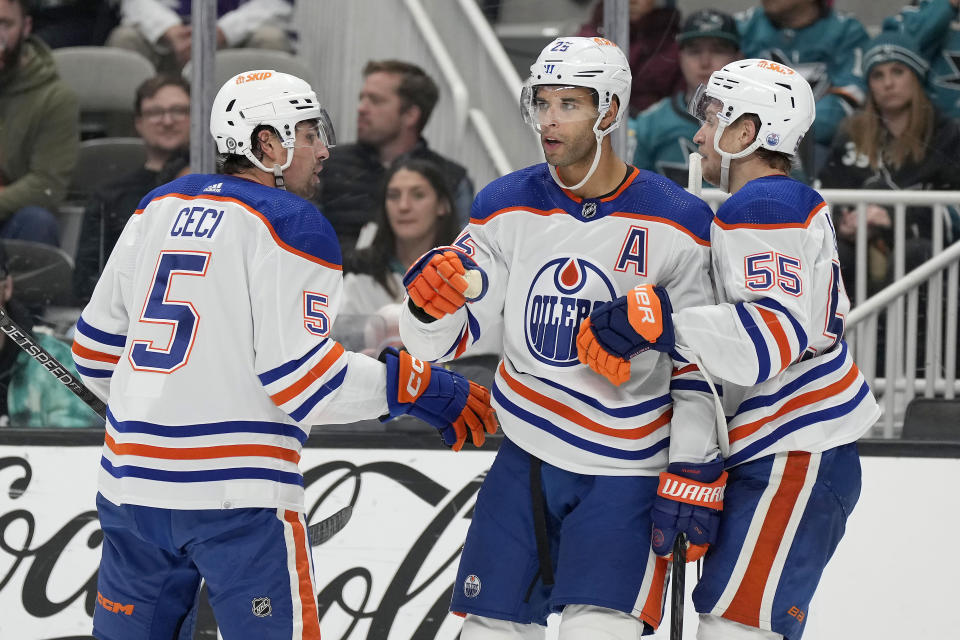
{"type": "Point", "coordinates": [899, 140]}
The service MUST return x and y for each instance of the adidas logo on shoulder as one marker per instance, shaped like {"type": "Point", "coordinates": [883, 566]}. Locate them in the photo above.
{"type": "Point", "coordinates": [214, 188]}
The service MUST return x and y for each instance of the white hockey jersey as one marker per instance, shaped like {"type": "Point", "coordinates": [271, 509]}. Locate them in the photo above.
{"type": "Point", "coordinates": [550, 257]}
{"type": "Point", "coordinates": [207, 336]}
{"type": "Point", "coordinates": [778, 333]}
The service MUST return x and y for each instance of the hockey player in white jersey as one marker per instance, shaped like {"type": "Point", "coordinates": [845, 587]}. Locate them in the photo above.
{"type": "Point", "coordinates": [796, 402]}
{"type": "Point", "coordinates": [208, 337]}
{"type": "Point", "coordinates": [562, 522]}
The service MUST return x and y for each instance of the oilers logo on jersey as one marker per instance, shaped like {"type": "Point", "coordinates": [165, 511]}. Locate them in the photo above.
{"type": "Point", "coordinates": [562, 293]}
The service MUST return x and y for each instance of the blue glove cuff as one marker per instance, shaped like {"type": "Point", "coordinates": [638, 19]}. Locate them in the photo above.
{"type": "Point", "coordinates": [705, 472]}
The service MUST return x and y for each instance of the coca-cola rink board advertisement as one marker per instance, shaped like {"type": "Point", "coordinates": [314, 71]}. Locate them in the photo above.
{"type": "Point", "coordinates": [389, 573]}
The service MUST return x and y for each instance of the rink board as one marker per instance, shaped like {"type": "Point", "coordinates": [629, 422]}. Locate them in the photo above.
{"type": "Point", "coordinates": [389, 573]}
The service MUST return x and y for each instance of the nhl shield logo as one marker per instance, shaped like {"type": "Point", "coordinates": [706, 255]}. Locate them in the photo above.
{"type": "Point", "coordinates": [471, 586]}
{"type": "Point", "coordinates": [261, 607]}
{"type": "Point", "coordinates": [589, 209]}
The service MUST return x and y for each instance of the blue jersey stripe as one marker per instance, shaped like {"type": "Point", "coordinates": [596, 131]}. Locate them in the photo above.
{"type": "Point", "coordinates": [207, 429]}
{"type": "Point", "coordinates": [209, 475]}
{"type": "Point", "coordinates": [830, 413]}
{"type": "Point", "coordinates": [772, 304]}
{"type": "Point", "coordinates": [93, 373]}
{"type": "Point", "coordinates": [111, 339]}
{"type": "Point", "coordinates": [569, 438]}
{"type": "Point", "coordinates": [694, 385]}
{"type": "Point", "coordinates": [325, 389]}
{"type": "Point", "coordinates": [288, 367]}
{"type": "Point", "coordinates": [630, 411]}
{"type": "Point", "coordinates": [763, 358]}
{"type": "Point", "coordinates": [788, 389]}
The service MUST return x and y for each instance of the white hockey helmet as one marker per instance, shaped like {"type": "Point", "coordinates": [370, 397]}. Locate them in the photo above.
{"type": "Point", "coordinates": [265, 97]}
{"type": "Point", "coordinates": [777, 94]}
{"type": "Point", "coordinates": [594, 63]}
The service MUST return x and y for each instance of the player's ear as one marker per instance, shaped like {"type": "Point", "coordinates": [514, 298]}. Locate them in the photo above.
{"type": "Point", "coordinates": [611, 114]}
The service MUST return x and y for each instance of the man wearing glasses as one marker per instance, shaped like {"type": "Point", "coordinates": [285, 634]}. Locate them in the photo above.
{"type": "Point", "coordinates": [162, 119]}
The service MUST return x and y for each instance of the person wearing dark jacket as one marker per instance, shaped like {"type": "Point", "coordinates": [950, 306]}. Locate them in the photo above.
{"type": "Point", "coordinates": [395, 104]}
{"type": "Point", "coordinates": [162, 118]}
{"type": "Point", "coordinates": [899, 140]}
{"type": "Point", "coordinates": [39, 131]}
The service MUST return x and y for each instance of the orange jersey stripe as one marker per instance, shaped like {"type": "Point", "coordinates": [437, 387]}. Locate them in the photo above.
{"type": "Point", "coordinates": [577, 418]}
{"type": "Point", "coordinates": [795, 225]}
{"type": "Point", "coordinates": [538, 212]}
{"type": "Point", "coordinates": [613, 196]}
{"type": "Point", "coordinates": [745, 430]}
{"type": "Point", "coordinates": [652, 610]}
{"type": "Point", "coordinates": [666, 221]}
{"type": "Point", "coordinates": [308, 605]}
{"type": "Point", "coordinates": [745, 606]}
{"type": "Point", "coordinates": [779, 335]}
{"type": "Point", "coordinates": [201, 453]}
{"type": "Point", "coordinates": [313, 375]}
{"type": "Point", "coordinates": [690, 368]}
{"type": "Point", "coordinates": [90, 354]}
{"type": "Point", "coordinates": [263, 219]}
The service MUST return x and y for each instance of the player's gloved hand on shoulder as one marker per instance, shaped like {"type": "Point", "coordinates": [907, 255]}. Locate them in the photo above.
{"type": "Point", "coordinates": [440, 281]}
{"type": "Point", "coordinates": [689, 500]}
{"type": "Point", "coordinates": [620, 329]}
{"type": "Point", "coordinates": [442, 398]}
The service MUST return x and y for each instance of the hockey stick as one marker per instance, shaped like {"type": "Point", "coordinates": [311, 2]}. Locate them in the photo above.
{"type": "Point", "coordinates": [318, 533]}
{"type": "Point", "coordinates": [678, 586]}
{"type": "Point", "coordinates": [325, 529]}
{"type": "Point", "coordinates": [26, 342]}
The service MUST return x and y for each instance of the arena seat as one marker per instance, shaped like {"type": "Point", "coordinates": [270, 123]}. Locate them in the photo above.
{"type": "Point", "coordinates": [105, 80]}
{"type": "Point", "coordinates": [932, 419]}
{"type": "Point", "coordinates": [230, 62]}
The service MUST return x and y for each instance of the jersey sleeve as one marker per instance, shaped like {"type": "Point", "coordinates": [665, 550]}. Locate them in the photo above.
{"type": "Point", "coordinates": [457, 333]}
{"type": "Point", "coordinates": [693, 427]}
{"type": "Point", "coordinates": [295, 296]}
{"type": "Point", "coordinates": [766, 273]}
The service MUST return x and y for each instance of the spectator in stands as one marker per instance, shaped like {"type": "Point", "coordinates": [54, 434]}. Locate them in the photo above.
{"type": "Point", "coordinates": [898, 141]}
{"type": "Point", "coordinates": [822, 44]}
{"type": "Point", "coordinates": [159, 29]}
{"type": "Point", "coordinates": [415, 215]}
{"type": "Point", "coordinates": [395, 104]}
{"type": "Point", "coordinates": [73, 23]}
{"type": "Point", "coordinates": [653, 52]}
{"type": "Point", "coordinates": [933, 23]}
{"type": "Point", "coordinates": [39, 131]}
{"type": "Point", "coordinates": [663, 134]}
{"type": "Point", "coordinates": [29, 395]}
{"type": "Point", "coordinates": [162, 119]}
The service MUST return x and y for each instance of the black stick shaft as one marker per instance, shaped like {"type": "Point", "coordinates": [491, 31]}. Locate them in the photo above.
{"type": "Point", "coordinates": [26, 342]}
{"type": "Point", "coordinates": [677, 590]}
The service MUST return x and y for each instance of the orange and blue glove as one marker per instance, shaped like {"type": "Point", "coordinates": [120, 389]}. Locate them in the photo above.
{"type": "Point", "coordinates": [620, 329]}
{"type": "Point", "coordinates": [437, 284]}
{"type": "Point", "coordinates": [442, 398]}
{"type": "Point", "coordinates": [689, 500]}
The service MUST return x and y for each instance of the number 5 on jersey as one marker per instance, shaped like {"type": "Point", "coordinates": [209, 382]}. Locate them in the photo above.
{"type": "Point", "coordinates": [180, 315]}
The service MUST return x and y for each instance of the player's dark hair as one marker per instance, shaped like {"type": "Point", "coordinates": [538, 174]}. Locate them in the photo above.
{"type": "Point", "coordinates": [149, 88]}
{"type": "Point", "coordinates": [416, 88]}
{"type": "Point", "coordinates": [375, 259]}
{"type": "Point", "coordinates": [775, 159]}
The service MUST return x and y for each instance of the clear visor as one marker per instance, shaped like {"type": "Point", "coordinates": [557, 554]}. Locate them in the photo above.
{"type": "Point", "coordinates": [313, 130]}
{"type": "Point", "coordinates": [701, 105]}
{"type": "Point", "coordinates": [545, 105]}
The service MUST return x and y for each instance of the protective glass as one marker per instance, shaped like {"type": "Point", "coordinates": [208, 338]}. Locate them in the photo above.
{"type": "Point", "coordinates": [556, 104]}
{"type": "Point", "coordinates": [323, 129]}
{"type": "Point", "coordinates": [701, 103]}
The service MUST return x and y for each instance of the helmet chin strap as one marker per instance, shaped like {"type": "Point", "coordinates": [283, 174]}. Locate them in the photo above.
{"type": "Point", "coordinates": [726, 157]}
{"type": "Point", "coordinates": [277, 169]}
{"type": "Point", "coordinates": [599, 133]}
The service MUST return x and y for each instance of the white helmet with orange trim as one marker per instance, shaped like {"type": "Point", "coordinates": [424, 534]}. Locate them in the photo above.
{"type": "Point", "coordinates": [265, 97]}
{"type": "Point", "coordinates": [594, 63]}
{"type": "Point", "coordinates": [777, 94]}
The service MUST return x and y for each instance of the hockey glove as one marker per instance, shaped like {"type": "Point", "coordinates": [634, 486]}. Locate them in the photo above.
{"type": "Point", "coordinates": [439, 284]}
{"type": "Point", "coordinates": [443, 399]}
{"type": "Point", "coordinates": [689, 500]}
{"type": "Point", "coordinates": [620, 329]}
